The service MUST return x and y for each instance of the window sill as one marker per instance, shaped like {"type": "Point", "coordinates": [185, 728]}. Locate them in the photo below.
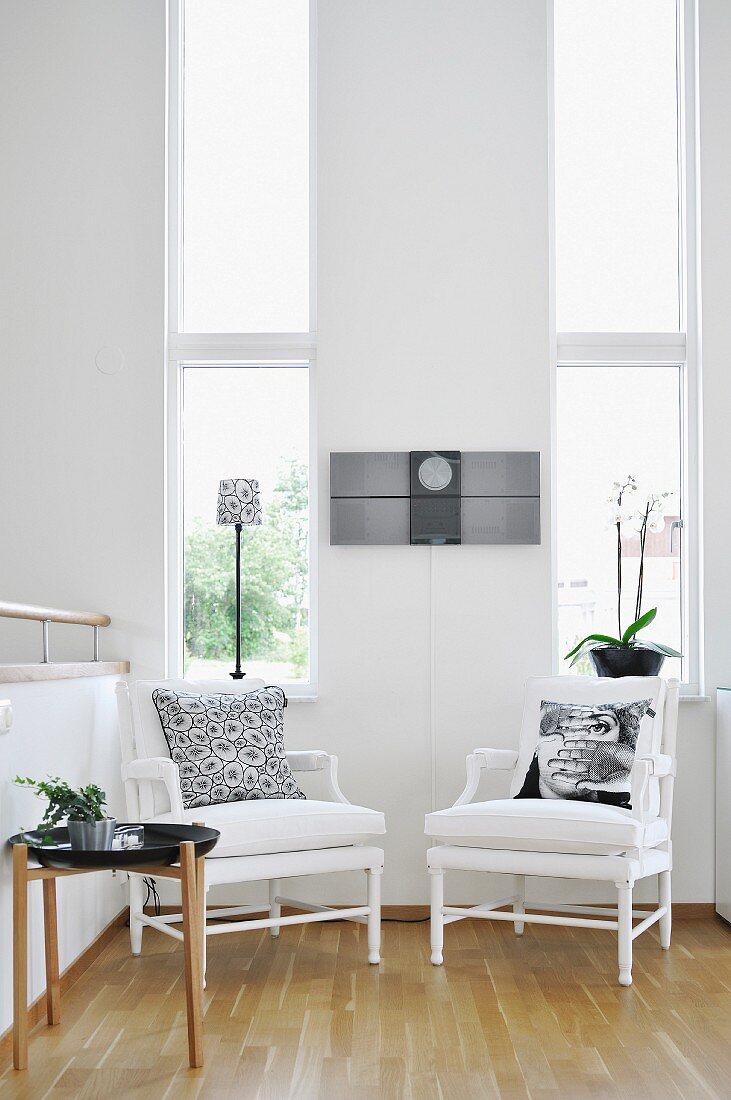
{"type": "Point", "coordinates": [300, 693]}
{"type": "Point", "coordinates": [695, 698]}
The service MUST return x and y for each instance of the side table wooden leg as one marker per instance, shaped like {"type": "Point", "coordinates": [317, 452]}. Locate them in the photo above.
{"type": "Point", "coordinates": [20, 956]}
{"type": "Point", "coordinates": [200, 881]}
{"type": "Point", "coordinates": [50, 930]}
{"type": "Point", "coordinates": [192, 952]}
{"type": "Point", "coordinates": [200, 894]}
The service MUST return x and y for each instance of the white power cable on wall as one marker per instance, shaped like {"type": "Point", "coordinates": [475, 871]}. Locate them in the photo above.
{"type": "Point", "coordinates": [433, 677]}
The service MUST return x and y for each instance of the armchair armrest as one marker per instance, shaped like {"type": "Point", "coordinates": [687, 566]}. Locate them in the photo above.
{"type": "Point", "coordinates": [657, 765]}
{"type": "Point", "coordinates": [498, 759]}
{"type": "Point", "coordinates": [307, 760]}
{"type": "Point", "coordinates": [660, 765]}
{"type": "Point", "coordinates": [490, 759]}
{"type": "Point", "coordinates": [158, 769]}
{"type": "Point", "coordinates": [317, 760]}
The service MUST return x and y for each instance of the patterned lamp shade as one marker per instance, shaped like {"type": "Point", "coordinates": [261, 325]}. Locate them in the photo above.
{"type": "Point", "coordinates": [238, 502]}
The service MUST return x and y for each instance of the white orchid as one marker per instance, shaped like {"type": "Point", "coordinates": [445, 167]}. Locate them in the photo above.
{"type": "Point", "coordinates": [620, 512]}
{"type": "Point", "coordinates": [649, 517]}
{"type": "Point", "coordinates": [624, 517]}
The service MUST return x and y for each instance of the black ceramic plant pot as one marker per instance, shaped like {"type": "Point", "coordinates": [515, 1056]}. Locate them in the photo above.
{"type": "Point", "coordinates": [614, 660]}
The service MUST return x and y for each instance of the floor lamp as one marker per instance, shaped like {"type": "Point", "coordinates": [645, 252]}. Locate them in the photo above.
{"type": "Point", "coordinates": [238, 506]}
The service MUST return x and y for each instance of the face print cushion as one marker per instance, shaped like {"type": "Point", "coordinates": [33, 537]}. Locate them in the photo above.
{"type": "Point", "coordinates": [586, 752]}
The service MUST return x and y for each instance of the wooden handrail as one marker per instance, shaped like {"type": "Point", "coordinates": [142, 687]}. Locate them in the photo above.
{"type": "Point", "coordinates": [63, 670]}
{"type": "Point", "coordinates": [51, 614]}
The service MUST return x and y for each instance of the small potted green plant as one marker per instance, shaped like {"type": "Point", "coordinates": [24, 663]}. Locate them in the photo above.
{"type": "Point", "coordinates": [626, 655]}
{"type": "Point", "coordinates": [83, 809]}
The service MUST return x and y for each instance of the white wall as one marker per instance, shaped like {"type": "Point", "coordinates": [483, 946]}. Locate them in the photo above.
{"type": "Point", "coordinates": [433, 332]}
{"type": "Point", "coordinates": [82, 125]}
{"type": "Point", "coordinates": [82, 94]}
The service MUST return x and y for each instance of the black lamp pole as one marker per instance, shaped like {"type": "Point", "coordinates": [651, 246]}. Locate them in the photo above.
{"type": "Point", "coordinates": [239, 505]}
{"type": "Point", "coordinates": [238, 674]}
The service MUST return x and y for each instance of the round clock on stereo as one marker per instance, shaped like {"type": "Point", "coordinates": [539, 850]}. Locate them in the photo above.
{"type": "Point", "coordinates": [435, 473]}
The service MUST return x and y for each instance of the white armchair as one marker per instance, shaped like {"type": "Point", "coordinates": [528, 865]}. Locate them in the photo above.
{"type": "Point", "coordinates": [565, 838]}
{"type": "Point", "coordinates": [268, 839]}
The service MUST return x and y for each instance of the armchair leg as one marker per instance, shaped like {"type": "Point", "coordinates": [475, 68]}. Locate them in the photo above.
{"type": "Point", "coordinates": [624, 908]}
{"type": "Point", "coordinates": [437, 917]}
{"type": "Point", "coordinates": [135, 910]}
{"type": "Point", "coordinates": [275, 909]}
{"type": "Point", "coordinates": [519, 904]}
{"type": "Point", "coordinates": [374, 917]}
{"type": "Point", "coordinates": [666, 922]}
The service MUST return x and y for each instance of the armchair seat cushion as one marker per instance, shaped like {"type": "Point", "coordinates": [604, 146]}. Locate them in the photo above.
{"type": "Point", "coordinates": [266, 826]}
{"type": "Point", "coordinates": [545, 825]}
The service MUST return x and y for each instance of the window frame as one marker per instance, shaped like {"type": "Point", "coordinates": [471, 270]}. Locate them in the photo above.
{"type": "Point", "coordinates": [216, 349]}
{"type": "Point", "coordinates": [650, 349]}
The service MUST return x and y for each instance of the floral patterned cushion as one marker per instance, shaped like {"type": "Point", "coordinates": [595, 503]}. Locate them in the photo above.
{"type": "Point", "coordinates": [228, 748]}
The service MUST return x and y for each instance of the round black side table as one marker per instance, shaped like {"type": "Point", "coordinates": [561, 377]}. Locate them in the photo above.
{"type": "Point", "coordinates": [168, 851]}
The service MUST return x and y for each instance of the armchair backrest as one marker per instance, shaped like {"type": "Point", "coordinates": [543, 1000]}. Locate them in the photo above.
{"type": "Point", "coordinates": [141, 734]}
{"type": "Point", "coordinates": [656, 736]}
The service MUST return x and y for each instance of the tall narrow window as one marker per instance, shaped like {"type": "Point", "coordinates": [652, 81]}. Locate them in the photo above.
{"type": "Point", "coordinates": [617, 229]}
{"type": "Point", "coordinates": [241, 333]}
{"type": "Point", "coordinates": [604, 428]}
{"type": "Point", "coordinates": [246, 204]}
{"type": "Point", "coordinates": [626, 319]}
{"type": "Point", "coordinates": [228, 414]}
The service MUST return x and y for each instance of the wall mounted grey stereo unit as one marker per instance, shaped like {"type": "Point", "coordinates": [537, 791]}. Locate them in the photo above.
{"type": "Point", "coordinates": [434, 498]}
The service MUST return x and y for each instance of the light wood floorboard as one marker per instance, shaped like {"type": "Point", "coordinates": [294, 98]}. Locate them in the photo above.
{"type": "Point", "coordinates": [305, 1016]}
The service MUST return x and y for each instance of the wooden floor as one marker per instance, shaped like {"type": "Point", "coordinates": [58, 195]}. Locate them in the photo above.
{"type": "Point", "coordinates": [540, 1018]}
